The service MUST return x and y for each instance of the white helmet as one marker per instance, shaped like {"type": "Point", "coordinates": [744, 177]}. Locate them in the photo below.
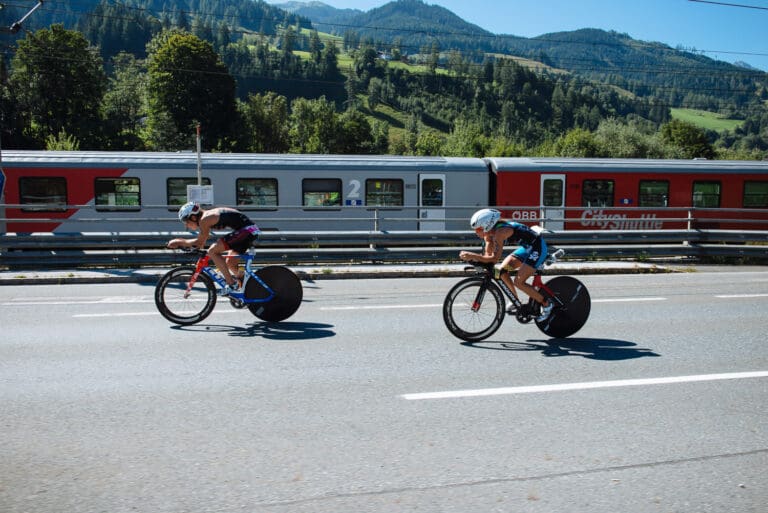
{"type": "Point", "coordinates": [485, 219]}
{"type": "Point", "coordinates": [188, 209]}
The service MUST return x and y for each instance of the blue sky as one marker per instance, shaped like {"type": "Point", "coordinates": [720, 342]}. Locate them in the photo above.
{"type": "Point", "coordinates": [725, 32]}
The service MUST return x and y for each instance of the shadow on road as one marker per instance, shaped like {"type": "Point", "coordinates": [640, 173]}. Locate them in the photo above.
{"type": "Point", "coordinates": [269, 330]}
{"type": "Point", "coordinates": [592, 348]}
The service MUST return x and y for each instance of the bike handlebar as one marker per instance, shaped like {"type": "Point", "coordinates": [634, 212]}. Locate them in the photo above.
{"type": "Point", "coordinates": [489, 267]}
{"type": "Point", "coordinates": [193, 251]}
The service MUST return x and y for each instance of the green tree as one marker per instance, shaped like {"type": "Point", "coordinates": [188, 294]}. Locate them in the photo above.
{"type": "Point", "coordinates": [367, 66]}
{"type": "Point", "coordinates": [380, 137]}
{"type": "Point", "coordinates": [124, 104]}
{"type": "Point", "coordinates": [265, 120]}
{"type": "Point", "coordinates": [375, 87]}
{"type": "Point", "coordinates": [354, 134]}
{"type": "Point", "coordinates": [577, 143]}
{"type": "Point", "coordinates": [315, 47]}
{"type": "Point", "coordinates": [313, 126]}
{"type": "Point", "coordinates": [329, 63]}
{"type": "Point", "coordinates": [466, 140]}
{"type": "Point", "coordinates": [61, 141]}
{"type": "Point", "coordinates": [429, 143]}
{"type": "Point", "coordinates": [622, 140]}
{"type": "Point", "coordinates": [189, 83]}
{"type": "Point", "coordinates": [58, 80]}
{"type": "Point", "coordinates": [692, 140]}
{"type": "Point", "coordinates": [13, 120]}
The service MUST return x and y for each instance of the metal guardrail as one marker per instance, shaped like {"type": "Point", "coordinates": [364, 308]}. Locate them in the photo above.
{"type": "Point", "coordinates": [38, 251]}
{"type": "Point", "coordinates": [376, 218]}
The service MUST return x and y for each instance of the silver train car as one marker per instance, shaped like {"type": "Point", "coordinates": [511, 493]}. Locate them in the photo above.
{"type": "Point", "coordinates": [91, 191]}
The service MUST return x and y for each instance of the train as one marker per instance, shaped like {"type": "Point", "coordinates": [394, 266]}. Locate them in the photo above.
{"type": "Point", "coordinates": [81, 191]}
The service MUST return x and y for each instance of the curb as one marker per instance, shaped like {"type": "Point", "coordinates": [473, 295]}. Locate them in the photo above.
{"type": "Point", "coordinates": [316, 273]}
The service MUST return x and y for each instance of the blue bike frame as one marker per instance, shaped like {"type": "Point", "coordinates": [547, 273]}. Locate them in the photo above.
{"type": "Point", "coordinates": [203, 266]}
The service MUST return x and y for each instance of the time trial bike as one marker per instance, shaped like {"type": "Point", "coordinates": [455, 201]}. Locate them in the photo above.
{"type": "Point", "coordinates": [475, 307]}
{"type": "Point", "coordinates": [187, 294]}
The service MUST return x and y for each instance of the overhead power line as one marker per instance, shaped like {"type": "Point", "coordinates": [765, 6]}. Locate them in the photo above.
{"type": "Point", "coordinates": [726, 4]}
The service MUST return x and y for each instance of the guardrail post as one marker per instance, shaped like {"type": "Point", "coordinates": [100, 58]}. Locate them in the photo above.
{"type": "Point", "coordinates": [375, 225]}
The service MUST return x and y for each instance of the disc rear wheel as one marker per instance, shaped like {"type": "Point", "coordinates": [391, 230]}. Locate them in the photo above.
{"type": "Point", "coordinates": [286, 287]}
{"type": "Point", "coordinates": [568, 319]}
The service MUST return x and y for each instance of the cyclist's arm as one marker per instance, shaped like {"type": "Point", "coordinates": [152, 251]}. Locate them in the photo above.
{"type": "Point", "coordinates": [494, 246]}
{"type": "Point", "coordinates": [203, 232]}
{"type": "Point", "coordinates": [206, 223]}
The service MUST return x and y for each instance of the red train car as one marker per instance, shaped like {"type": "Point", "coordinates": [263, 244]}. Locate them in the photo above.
{"type": "Point", "coordinates": [627, 194]}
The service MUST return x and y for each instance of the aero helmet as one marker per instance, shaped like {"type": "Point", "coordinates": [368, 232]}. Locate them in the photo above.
{"type": "Point", "coordinates": [188, 209]}
{"type": "Point", "coordinates": [485, 219]}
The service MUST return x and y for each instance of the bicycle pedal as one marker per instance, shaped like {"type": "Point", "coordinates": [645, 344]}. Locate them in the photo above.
{"type": "Point", "coordinates": [236, 303]}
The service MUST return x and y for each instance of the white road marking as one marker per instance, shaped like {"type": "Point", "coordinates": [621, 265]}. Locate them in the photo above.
{"type": "Point", "coordinates": [740, 296]}
{"type": "Point", "coordinates": [439, 305]}
{"type": "Point", "coordinates": [132, 314]}
{"type": "Point", "coordinates": [582, 386]}
{"type": "Point", "coordinates": [628, 299]}
{"type": "Point", "coordinates": [103, 301]}
{"type": "Point", "coordinates": [123, 314]}
{"type": "Point", "coordinates": [376, 307]}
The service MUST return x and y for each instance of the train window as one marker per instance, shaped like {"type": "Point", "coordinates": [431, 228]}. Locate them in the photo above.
{"type": "Point", "coordinates": [597, 193]}
{"type": "Point", "coordinates": [384, 193]}
{"type": "Point", "coordinates": [256, 192]}
{"type": "Point", "coordinates": [654, 193]}
{"type": "Point", "coordinates": [117, 194]}
{"type": "Point", "coordinates": [706, 194]}
{"type": "Point", "coordinates": [553, 192]}
{"type": "Point", "coordinates": [432, 192]}
{"type": "Point", "coordinates": [177, 190]}
{"type": "Point", "coordinates": [321, 192]}
{"type": "Point", "coordinates": [48, 192]}
{"type": "Point", "coordinates": [755, 194]}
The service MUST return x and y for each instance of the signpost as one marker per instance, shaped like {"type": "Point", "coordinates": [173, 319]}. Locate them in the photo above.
{"type": "Point", "coordinates": [201, 194]}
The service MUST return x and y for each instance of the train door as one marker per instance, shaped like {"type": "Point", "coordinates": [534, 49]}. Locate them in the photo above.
{"type": "Point", "coordinates": [552, 201]}
{"type": "Point", "coordinates": [2, 196]}
{"type": "Point", "coordinates": [431, 202]}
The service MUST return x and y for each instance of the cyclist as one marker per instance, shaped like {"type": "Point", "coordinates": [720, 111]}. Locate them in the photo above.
{"type": "Point", "coordinates": [530, 254]}
{"type": "Point", "coordinates": [244, 233]}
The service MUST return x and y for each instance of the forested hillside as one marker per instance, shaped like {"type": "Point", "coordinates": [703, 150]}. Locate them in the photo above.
{"type": "Point", "coordinates": [414, 79]}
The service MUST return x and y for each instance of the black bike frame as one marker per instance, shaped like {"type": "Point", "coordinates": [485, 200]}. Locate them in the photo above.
{"type": "Point", "coordinates": [538, 284]}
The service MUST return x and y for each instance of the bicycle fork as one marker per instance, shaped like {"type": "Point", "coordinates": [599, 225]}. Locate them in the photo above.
{"type": "Point", "coordinates": [202, 263]}
{"type": "Point", "coordinates": [479, 298]}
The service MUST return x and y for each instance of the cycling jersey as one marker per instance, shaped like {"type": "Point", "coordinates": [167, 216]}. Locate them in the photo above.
{"type": "Point", "coordinates": [533, 248]}
{"type": "Point", "coordinates": [244, 231]}
{"type": "Point", "coordinates": [232, 219]}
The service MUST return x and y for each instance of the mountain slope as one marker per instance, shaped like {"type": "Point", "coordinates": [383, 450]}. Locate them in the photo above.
{"type": "Point", "coordinates": [418, 25]}
{"type": "Point", "coordinates": [647, 69]}
{"type": "Point", "coordinates": [324, 17]}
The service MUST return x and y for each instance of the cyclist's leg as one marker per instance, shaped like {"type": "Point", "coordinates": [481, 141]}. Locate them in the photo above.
{"type": "Point", "coordinates": [532, 258]}
{"type": "Point", "coordinates": [512, 262]}
{"type": "Point", "coordinates": [236, 242]}
{"type": "Point", "coordinates": [523, 273]}
{"type": "Point", "coordinates": [216, 252]}
{"type": "Point", "coordinates": [233, 262]}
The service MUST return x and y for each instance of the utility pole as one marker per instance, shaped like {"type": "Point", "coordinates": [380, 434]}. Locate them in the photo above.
{"type": "Point", "coordinates": [16, 26]}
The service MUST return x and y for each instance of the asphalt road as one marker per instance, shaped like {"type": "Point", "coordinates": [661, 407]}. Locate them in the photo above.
{"type": "Point", "coordinates": [364, 402]}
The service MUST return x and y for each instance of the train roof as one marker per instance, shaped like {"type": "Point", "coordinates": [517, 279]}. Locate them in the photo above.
{"type": "Point", "coordinates": [560, 165]}
{"type": "Point", "coordinates": [209, 161]}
